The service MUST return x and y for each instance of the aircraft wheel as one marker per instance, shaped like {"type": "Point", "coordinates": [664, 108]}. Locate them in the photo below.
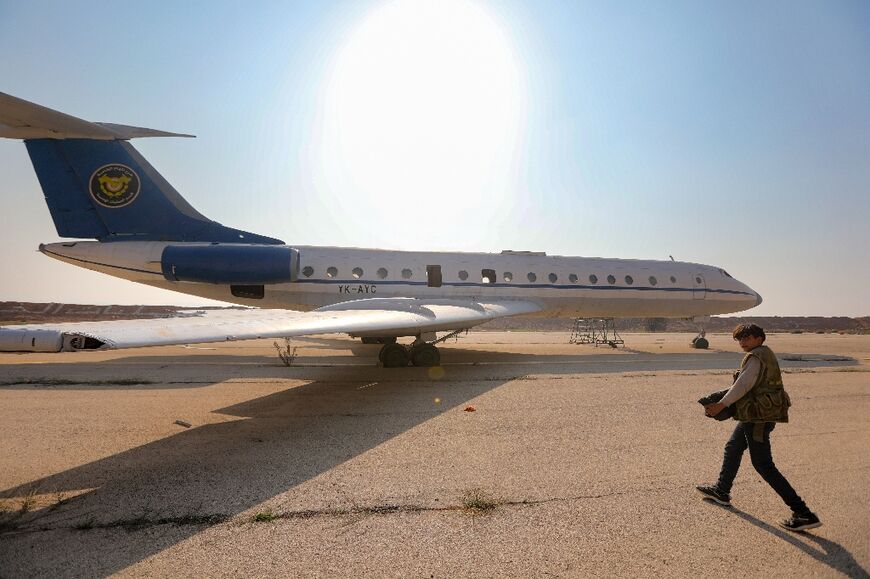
{"type": "Point", "coordinates": [394, 356]}
{"type": "Point", "coordinates": [425, 355]}
{"type": "Point", "coordinates": [700, 343]}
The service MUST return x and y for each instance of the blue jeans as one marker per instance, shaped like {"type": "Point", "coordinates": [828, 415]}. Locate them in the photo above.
{"type": "Point", "coordinates": [762, 460]}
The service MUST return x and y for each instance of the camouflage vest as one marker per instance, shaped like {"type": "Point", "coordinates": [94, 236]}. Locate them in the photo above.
{"type": "Point", "coordinates": [767, 400]}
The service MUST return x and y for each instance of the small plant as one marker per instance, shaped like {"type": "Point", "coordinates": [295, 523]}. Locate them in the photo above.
{"type": "Point", "coordinates": [266, 516]}
{"type": "Point", "coordinates": [478, 501]}
{"type": "Point", "coordinates": [28, 501]}
{"type": "Point", "coordinates": [285, 352]}
{"type": "Point", "coordinates": [58, 498]}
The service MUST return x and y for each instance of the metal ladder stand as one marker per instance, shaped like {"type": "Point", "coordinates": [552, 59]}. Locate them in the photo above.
{"type": "Point", "coordinates": [595, 331]}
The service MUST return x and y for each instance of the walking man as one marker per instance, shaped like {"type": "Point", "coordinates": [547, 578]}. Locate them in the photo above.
{"type": "Point", "coordinates": [759, 403]}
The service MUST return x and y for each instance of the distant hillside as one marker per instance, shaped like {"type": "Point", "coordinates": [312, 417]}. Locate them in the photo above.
{"type": "Point", "coordinates": [39, 313]}
{"type": "Point", "coordinates": [35, 313]}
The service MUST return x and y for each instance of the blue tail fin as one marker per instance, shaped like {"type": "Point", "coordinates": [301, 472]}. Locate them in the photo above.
{"type": "Point", "coordinates": [98, 186]}
{"type": "Point", "coordinates": [106, 190]}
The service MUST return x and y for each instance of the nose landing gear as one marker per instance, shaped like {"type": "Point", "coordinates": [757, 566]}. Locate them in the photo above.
{"type": "Point", "coordinates": [700, 341]}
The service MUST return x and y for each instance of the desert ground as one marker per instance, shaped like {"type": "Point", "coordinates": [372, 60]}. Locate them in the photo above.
{"type": "Point", "coordinates": [522, 455]}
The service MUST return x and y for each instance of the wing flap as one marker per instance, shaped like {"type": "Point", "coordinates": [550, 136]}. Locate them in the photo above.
{"type": "Point", "coordinates": [387, 316]}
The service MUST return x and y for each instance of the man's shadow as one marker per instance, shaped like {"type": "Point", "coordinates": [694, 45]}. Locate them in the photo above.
{"type": "Point", "coordinates": [828, 552]}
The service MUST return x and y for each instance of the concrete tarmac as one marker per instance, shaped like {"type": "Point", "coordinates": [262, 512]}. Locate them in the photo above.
{"type": "Point", "coordinates": [575, 461]}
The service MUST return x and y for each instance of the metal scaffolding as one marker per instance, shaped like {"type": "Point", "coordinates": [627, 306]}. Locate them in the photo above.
{"type": "Point", "coordinates": [595, 331]}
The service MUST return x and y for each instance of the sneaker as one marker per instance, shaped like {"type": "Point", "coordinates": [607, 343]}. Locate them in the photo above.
{"type": "Point", "coordinates": [801, 522]}
{"type": "Point", "coordinates": [714, 494]}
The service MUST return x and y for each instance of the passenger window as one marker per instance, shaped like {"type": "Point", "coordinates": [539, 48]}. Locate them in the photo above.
{"type": "Point", "coordinates": [629, 280]}
{"type": "Point", "coordinates": [487, 276]}
{"type": "Point", "coordinates": [573, 278]}
{"type": "Point", "coordinates": [653, 280]}
{"type": "Point", "coordinates": [553, 278]}
{"type": "Point", "coordinates": [463, 275]}
{"type": "Point", "coordinates": [611, 280]}
{"type": "Point", "coordinates": [307, 271]}
{"type": "Point", "coordinates": [673, 279]}
{"type": "Point", "coordinates": [407, 273]}
{"type": "Point", "coordinates": [532, 277]}
{"type": "Point", "coordinates": [357, 272]}
{"type": "Point", "coordinates": [593, 279]}
{"type": "Point", "coordinates": [433, 275]}
{"type": "Point", "coordinates": [508, 276]}
{"type": "Point", "coordinates": [382, 273]}
{"type": "Point", "coordinates": [331, 272]}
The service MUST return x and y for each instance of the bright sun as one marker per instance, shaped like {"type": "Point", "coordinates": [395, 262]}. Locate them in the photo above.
{"type": "Point", "coordinates": [423, 103]}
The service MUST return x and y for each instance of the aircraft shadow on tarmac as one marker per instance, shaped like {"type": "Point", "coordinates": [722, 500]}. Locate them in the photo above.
{"type": "Point", "coordinates": [828, 552]}
{"type": "Point", "coordinates": [215, 471]}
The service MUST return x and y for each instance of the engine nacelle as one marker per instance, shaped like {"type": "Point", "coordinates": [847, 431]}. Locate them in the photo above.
{"type": "Point", "coordinates": [230, 263]}
{"type": "Point", "coordinates": [30, 340]}
{"type": "Point", "coordinates": [42, 340]}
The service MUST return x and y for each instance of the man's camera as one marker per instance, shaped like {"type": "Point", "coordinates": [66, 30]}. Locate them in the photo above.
{"type": "Point", "coordinates": [725, 413]}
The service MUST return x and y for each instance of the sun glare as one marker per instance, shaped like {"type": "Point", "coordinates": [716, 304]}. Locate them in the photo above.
{"type": "Point", "coordinates": [423, 103]}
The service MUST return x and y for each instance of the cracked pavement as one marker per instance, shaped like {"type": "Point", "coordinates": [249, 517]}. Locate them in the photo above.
{"type": "Point", "coordinates": [577, 461]}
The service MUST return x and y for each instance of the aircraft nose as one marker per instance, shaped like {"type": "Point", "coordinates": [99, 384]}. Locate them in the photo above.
{"type": "Point", "coordinates": [758, 299]}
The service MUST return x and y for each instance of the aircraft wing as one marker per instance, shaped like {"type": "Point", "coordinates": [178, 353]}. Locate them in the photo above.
{"type": "Point", "coordinates": [373, 317]}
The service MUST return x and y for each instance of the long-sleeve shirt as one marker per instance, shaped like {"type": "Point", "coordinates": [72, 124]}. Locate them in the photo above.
{"type": "Point", "coordinates": [744, 383]}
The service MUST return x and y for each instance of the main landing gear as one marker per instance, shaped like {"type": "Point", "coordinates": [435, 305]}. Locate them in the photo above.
{"type": "Point", "coordinates": [419, 354]}
{"type": "Point", "coordinates": [422, 353]}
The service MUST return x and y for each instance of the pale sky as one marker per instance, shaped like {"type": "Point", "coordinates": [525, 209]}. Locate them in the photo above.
{"type": "Point", "coordinates": [734, 134]}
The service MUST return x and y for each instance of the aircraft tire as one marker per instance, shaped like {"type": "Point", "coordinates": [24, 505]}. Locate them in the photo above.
{"type": "Point", "coordinates": [425, 356]}
{"type": "Point", "coordinates": [394, 356]}
{"type": "Point", "coordinates": [700, 343]}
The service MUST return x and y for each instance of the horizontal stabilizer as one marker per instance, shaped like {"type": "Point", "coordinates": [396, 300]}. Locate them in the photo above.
{"type": "Point", "coordinates": [20, 119]}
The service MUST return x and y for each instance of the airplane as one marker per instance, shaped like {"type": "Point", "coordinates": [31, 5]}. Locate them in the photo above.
{"type": "Point", "coordinates": [137, 227]}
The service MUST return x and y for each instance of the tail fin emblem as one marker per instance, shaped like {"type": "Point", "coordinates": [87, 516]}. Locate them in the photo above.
{"type": "Point", "coordinates": [114, 185]}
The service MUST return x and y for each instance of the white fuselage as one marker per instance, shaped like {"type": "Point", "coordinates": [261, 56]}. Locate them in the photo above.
{"type": "Point", "coordinates": [570, 286]}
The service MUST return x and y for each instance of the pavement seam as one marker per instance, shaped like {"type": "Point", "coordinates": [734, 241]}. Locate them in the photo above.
{"type": "Point", "coordinates": [214, 519]}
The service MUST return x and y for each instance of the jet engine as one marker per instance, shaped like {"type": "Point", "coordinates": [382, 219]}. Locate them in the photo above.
{"type": "Point", "coordinates": [230, 263]}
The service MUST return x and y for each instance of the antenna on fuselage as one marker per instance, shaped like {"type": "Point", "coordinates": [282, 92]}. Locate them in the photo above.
{"type": "Point", "coordinates": [672, 257]}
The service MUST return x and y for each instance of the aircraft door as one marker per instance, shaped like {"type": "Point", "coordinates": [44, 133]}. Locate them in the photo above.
{"type": "Point", "coordinates": [699, 287]}
{"type": "Point", "coordinates": [433, 275]}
